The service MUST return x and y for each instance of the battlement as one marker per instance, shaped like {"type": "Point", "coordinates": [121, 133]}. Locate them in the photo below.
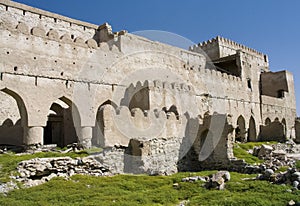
{"type": "Point", "coordinates": [28, 11]}
{"type": "Point", "coordinates": [218, 42]}
{"type": "Point", "coordinates": [138, 124]}
{"type": "Point", "coordinates": [27, 20]}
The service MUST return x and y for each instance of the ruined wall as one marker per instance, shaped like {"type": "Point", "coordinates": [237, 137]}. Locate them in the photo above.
{"type": "Point", "coordinates": [154, 90]}
{"type": "Point", "coordinates": [297, 130]}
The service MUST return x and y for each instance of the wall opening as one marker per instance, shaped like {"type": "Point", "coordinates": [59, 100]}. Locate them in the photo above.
{"type": "Point", "coordinates": [280, 93]}
{"type": "Point", "coordinates": [240, 131]}
{"type": "Point", "coordinates": [252, 130]}
{"type": "Point", "coordinates": [249, 84]}
{"type": "Point", "coordinates": [267, 121]}
{"type": "Point", "coordinates": [13, 118]}
{"type": "Point", "coordinates": [140, 99]}
{"type": "Point", "coordinates": [60, 127]}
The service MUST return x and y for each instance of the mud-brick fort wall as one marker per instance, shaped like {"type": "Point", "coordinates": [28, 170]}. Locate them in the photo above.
{"type": "Point", "coordinates": [57, 75]}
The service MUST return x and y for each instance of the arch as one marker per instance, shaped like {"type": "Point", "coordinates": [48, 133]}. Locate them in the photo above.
{"type": "Point", "coordinates": [240, 131]}
{"type": "Point", "coordinates": [267, 121]}
{"type": "Point", "coordinates": [276, 119]}
{"type": "Point", "coordinates": [173, 109]}
{"type": "Point", "coordinates": [110, 103]}
{"type": "Point", "coordinates": [63, 120]}
{"type": "Point", "coordinates": [252, 130]}
{"type": "Point", "coordinates": [98, 130]}
{"type": "Point", "coordinates": [140, 99]}
{"type": "Point", "coordinates": [20, 103]}
{"type": "Point", "coordinates": [11, 133]}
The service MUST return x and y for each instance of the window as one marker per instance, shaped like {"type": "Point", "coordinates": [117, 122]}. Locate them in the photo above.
{"type": "Point", "coordinates": [280, 93]}
{"type": "Point", "coordinates": [249, 84]}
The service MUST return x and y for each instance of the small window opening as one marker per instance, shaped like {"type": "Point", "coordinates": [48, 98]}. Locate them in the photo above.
{"type": "Point", "coordinates": [249, 84]}
{"type": "Point", "coordinates": [280, 94]}
{"type": "Point", "coordinates": [265, 58]}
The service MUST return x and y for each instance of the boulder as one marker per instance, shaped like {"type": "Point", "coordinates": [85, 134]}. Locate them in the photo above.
{"type": "Point", "coordinates": [265, 150]}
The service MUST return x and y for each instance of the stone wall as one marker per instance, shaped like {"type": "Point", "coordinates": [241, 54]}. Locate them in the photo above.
{"type": "Point", "coordinates": [154, 91]}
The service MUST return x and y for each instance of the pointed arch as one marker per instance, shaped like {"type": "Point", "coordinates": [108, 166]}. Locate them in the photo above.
{"type": "Point", "coordinates": [240, 131]}
{"type": "Point", "coordinates": [20, 103]}
{"type": "Point", "coordinates": [252, 130]}
{"type": "Point", "coordinates": [63, 120]}
{"type": "Point", "coordinates": [267, 121]}
{"type": "Point", "coordinates": [14, 133]}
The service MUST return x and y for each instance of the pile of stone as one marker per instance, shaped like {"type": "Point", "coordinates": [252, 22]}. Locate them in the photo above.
{"type": "Point", "coordinates": [275, 156]}
{"type": "Point", "coordinates": [291, 177]}
{"type": "Point", "coordinates": [214, 181]}
{"type": "Point", "coordinates": [39, 170]}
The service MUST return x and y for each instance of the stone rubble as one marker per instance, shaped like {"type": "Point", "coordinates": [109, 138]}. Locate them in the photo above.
{"type": "Point", "coordinates": [40, 170]}
{"type": "Point", "coordinates": [214, 181]}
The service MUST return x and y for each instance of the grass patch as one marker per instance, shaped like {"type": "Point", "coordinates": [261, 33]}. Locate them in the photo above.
{"type": "Point", "coordinates": [240, 151]}
{"type": "Point", "coordinates": [149, 190]}
{"type": "Point", "coordinates": [297, 164]}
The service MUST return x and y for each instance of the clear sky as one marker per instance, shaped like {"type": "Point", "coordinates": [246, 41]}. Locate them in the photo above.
{"type": "Point", "coordinates": [269, 26]}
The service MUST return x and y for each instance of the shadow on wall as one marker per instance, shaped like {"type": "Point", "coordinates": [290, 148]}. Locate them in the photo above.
{"type": "Point", "coordinates": [199, 149]}
{"type": "Point", "coordinates": [211, 148]}
{"type": "Point", "coordinates": [10, 133]}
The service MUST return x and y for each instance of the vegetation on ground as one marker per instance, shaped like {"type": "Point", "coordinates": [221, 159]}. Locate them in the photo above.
{"type": "Point", "coordinates": [133, 190]}
{"type": "Point", "coordinates": [240, 151]}
{"type": "Point", "coordinates": [150, 190]}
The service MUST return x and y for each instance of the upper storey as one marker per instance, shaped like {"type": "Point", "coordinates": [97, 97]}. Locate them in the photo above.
{"type": "Point", "coordinates": [219, 48]}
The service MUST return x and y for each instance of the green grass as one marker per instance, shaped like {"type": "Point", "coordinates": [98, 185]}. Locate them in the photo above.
{"type": "Point", "coordinates": [297, 164]}
{"type": "Point", "coordinates": [149, 190]}
{"type": "Point", "coordinates": [140, 189]}
{"type": "Point", "coordinates": [240, 151]}
{"type": "Point", "coordinates": [9, 161]}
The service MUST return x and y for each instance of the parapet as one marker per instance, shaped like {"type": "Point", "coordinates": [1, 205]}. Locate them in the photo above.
{"type": "Point", "coordinates": [16, 17]}
{"type": "Point", "coordinates": [219, 44]}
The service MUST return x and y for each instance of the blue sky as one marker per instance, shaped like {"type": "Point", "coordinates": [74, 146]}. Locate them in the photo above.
{"type": "Point", "coordinates": [269, 26]}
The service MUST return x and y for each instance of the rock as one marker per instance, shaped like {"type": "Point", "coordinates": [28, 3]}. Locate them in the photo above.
{"type": "Point", "coordinates": [295, 176]}
{"type": "Point", "coordinates": [217, 181]}
{"type": "Point", "coordinates": [291, 202]}
{"type": "Point", "coordinates": [264, 151]}
{"type": "Point", "coordinates": [268, 172]}
{"type": "Point", "coordinates": [279, 155]}
{"type": "Point", "coordinates": [295, 184]}
{"type": "Point", "coordinates": [37, 171]}
{"type": "Point", "coordinates": [255, 151]}
{"type": "Point", "coordinates": [176, 185]}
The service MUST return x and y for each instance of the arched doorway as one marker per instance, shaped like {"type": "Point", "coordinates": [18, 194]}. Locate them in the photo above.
{"type": "Point", "coordinates": [240, 131]}
{"type": "Point", "coordinates": [13, 119]}
{"type": "Point", "coordinates": [60, 128]}
{"type": "Point", "coordinates": [252, 130]}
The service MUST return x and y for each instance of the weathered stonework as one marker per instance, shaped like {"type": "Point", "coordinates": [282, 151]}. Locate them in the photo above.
{"type": "Point", "coordinates": [167, 109]}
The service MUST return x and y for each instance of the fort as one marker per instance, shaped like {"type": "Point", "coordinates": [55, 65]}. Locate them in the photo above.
{"type": "Point", "coordinates": [156, 106]}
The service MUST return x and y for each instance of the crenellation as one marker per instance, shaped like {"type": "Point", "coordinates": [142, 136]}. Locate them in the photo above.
{"type": "Point", "coordinates": [23, 28]}
{"type": "Point", "coordinates": [106, 79]}
{"type": "Point", "coordinates": [38, 31]}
